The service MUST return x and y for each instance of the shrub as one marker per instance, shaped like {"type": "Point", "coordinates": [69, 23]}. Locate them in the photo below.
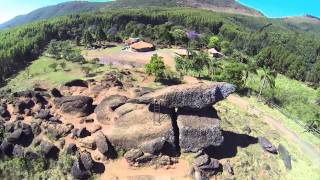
{"type": "Point", "coordinates": [156, 67]}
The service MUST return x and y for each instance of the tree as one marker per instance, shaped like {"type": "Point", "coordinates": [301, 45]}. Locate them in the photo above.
{"type": "Point", "coordinates": [87, 38]}
{"type": "Point", "coordinates": [214, 42]}
{"type": "Point", "coordinates": [199, 61]}
{"type": "Point", "coordinates": [232, 72]}
{"type": "Point", "coordinates": [100, 35]}
{"type": "Point", "coordinates": [179, 36]}
{"type": "Point", "coordinates": [267, 77]}
{"type": "Point", "coordinates": [156, 67]}
{"type": "Point", "coordinates": [54, 49]}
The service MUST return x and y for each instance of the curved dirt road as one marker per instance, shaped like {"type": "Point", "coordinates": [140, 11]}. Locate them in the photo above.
{"type": "Point", "coordinates": [309, 150]}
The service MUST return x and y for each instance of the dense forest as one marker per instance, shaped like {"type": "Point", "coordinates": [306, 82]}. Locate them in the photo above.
{"type": "Point", "coordinates": [272, 43]}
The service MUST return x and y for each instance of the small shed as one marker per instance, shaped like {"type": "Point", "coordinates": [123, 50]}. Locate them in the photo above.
{"type": "Point", "coordinates": [131, 41]}
{"type": "Point", "coordinates": [215, 53]}
{"type": "Point", "coordinates": [142, 46]}
{"type": "Point", "coordinates": [182, 52]}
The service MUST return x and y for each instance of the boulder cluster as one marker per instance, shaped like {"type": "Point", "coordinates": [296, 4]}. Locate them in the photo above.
{"type": "Point", "coordinates": [150, 127]}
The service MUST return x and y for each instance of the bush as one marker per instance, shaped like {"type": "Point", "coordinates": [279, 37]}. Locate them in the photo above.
{"type": "Point", "coordinates": [156, 67]}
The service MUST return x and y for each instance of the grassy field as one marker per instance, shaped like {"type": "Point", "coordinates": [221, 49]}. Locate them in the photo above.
{"type": "Point", "coordinates": [40, 72]}
{"type": "Point", "coordinates": [252, 162]}
{"type": "Point", "coordinates": [297, 99]}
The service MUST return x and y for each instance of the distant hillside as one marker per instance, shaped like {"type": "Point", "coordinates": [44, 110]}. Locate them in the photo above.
{"type": "Point", "coordinates": [307, 23]}
{"type": "Point", "coordinates": [229, 6]}
{"type": "Point", "coordinates": [53, 11]}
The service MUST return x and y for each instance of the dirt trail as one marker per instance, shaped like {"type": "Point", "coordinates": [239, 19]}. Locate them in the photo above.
{"type": "Point", "coordinates": [308, 149]}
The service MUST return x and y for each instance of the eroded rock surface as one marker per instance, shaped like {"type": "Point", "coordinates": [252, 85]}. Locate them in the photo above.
{"type": "Point", "coordinates": [76, 105]}
{"type": "Point", "coordinates": [196, 96]}
{"type": "Point", "coordinates": [137, 127]}
{"type": "Point", "coordinates": [198, 129]}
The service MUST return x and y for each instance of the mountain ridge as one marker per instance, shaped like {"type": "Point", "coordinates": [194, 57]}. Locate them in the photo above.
{"type": "Point", "coordinates": [48, 12]}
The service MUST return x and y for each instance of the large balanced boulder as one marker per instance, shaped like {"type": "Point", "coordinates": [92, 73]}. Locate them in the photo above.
{"type": "Point", "coordinates": [138, 127]}
{"type": "Point", "coordinates": [75, 105]}
{"type": "Point", "coordinates": [109, 104]}
{"type": "Point", "coordinates": [195, 96]}
{"type": "Point", "coordinates": [198, 129]}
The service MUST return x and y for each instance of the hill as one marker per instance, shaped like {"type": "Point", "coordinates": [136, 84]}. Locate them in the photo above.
{"type": "Point", "coordinates": [307, 23]}
{"type": "Point", "coordinates": [52, 11]}
{"type": "Point", "coordinates": [228, 6]}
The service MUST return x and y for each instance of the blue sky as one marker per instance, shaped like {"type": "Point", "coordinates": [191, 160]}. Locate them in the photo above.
{"type": "Point", "coordinates": [281, 8]}
{"type": "Point", "coordinates": [271, 8]}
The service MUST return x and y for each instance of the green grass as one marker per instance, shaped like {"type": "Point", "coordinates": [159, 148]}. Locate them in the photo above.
{"type": "Point", "coordinates": [40, 73]}
{"type": "Point", "coordinates": [287, 122]}
{"type": "Point", "coordinates": [252, 161]}
{"type": "Point", "coordinates": [297, 99]}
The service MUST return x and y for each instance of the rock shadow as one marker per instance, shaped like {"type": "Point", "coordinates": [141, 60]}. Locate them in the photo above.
{"type": "Point", "coordinates": [208, 112]}
{"type": "Point", "coordinates": [228, 148]}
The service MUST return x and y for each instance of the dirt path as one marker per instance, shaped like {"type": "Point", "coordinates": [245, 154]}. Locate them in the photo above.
{"type": "Point", "coordinates": [309, 150]}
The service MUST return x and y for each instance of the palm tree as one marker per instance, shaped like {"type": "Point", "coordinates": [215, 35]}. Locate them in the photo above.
{"type": "Point", "coordinates": [267, 77]}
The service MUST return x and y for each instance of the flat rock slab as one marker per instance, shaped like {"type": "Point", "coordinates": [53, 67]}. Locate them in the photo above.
{"type": "Point", "coordinates": [136, 128]}
{"type": "Point", "coordinates": [198, 129]}
{"type": "Point", "coordinates": [196, 96]}
{"type": "Point", "coordinates": [108, 104]}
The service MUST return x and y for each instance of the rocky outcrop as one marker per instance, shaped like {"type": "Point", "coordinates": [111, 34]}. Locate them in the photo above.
{"type": "Point", "coordinates": [75, 105]}
{"type": "Point", "coordinates": [82, 166]}
{"type": "Point", "coordinates": [195, 96]}
{"type": "Point", "coordinates": [198, 129]}
{"type": "Point", "coordinates": [109, 104]}
{"type": "Point", "coordinates": [137, 127]}
{"type": "Point", "coordinates": [204, 167]}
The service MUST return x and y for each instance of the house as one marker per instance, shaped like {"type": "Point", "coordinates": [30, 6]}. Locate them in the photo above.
{"type": "Point", "coordinates": [131, 41]}
{"type": "Point", "coordinates": [183, 52]}
{"type": "Point", "coordinates": [214, 53]}
{"type": "Point", "coordinates": [142, 46]}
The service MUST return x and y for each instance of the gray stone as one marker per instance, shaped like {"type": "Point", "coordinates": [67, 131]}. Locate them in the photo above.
{"type": "Point", "coordinates": [198, 129]}
{"type": "Point", "coordinates": [6, 148]}
{"type": "Point", "coordinates": [18, 151]}
{"type": "Point", "coordinates": [86, 160]}
{"type": "Point", "coordinates": [154, 146]}
{"type": "Point", "coordinates": [138, 127]}
{"type": "Point", "coordinates": [102, 143]}
{"type": "Point", "coordinates": [267, 145]}
{"type": "Point", "coordinates": [285, 156]}
{"type": "Point", "coordinates": [43, 114]}
{"type": "Point", "coordinates": [49, 150]}
{"type": "Point", "coordinates": [76, 105]}
{"type": "Point", "coordinates": [77, 83]}
{"type": "Point", "coordinates": [72, 149]}
{"type": "Point", "coordinates": [78, 171]}
{"type": "Point", "coordinates": [195, 96]}
{"type": "Point", "coordinates": [108, 104]}
{"type": "Point", "coordinates": [133, 154]}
